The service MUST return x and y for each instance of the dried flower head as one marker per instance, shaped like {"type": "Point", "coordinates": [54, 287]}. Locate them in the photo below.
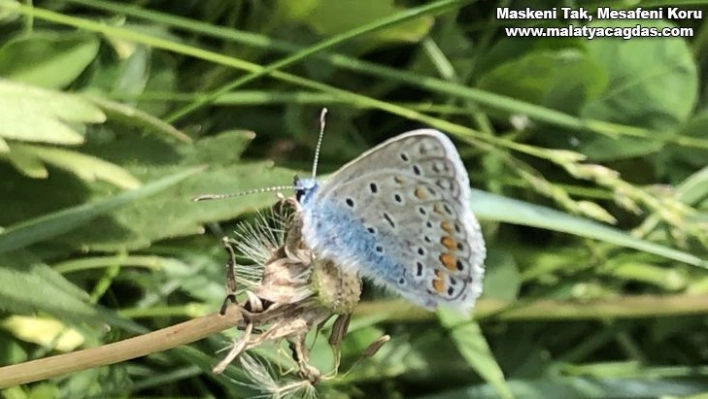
{"type": "Point", "coordinates": [295, 293]}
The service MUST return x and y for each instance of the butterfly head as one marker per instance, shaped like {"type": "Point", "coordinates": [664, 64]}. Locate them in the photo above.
{"type": "Point", "coordinates": [305, 189]}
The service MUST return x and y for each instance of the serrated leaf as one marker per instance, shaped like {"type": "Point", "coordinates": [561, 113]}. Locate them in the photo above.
{"type": "Point", "coordinates": [30, 113]}
{"type": "Point", "coordinates": [86, 167]}
{"type": "Point", "coordinates": [26, 163]}
{"type": "Point", "coordinates": [134, 117]}
{"type": "Point", "coordinates": [29, 286]}
{"type": "Point", "coordinates": [172, 213]}
{"type": "Point", "coordinates": [54, 224]}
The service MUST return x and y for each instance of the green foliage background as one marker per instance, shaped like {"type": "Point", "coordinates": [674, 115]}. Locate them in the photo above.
{"type": "Point", "coordinates": [589, 159]}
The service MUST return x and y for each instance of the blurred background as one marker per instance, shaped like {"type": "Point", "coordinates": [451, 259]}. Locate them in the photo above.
{"type": "Point", "coordinates": [588, 161]}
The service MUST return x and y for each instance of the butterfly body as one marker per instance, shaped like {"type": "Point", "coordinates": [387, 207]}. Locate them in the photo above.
{"type": "Point", "coordinates": [398, 215]}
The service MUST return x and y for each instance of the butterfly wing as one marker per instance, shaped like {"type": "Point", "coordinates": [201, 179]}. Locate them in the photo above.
{"type": "Point", "coordinates": [412, 193]}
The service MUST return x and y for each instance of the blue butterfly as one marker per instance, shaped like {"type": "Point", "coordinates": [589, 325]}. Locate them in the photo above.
{"type": "Point", "coordinates": [398, 215]}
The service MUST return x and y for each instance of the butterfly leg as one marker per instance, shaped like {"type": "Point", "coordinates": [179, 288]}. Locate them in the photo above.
{"type": "Point", "coordinates": [374, 347]}
{"type": "Point", "coordinates": [239, 346]}
{"type": "Point", "coordinates": [301, 355]}
{"type": "Point", "coordinates": [370, 351]}
{"type": "Point", "coordinates": [230, 275]}
{"type": "Point", "coordinates": [339, 330]}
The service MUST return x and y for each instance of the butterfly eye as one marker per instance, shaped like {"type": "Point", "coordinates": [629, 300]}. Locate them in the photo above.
{"type": "Point", "coordinates": [299, 193]}
{"type": "Point", "coordinates": [299, 190]}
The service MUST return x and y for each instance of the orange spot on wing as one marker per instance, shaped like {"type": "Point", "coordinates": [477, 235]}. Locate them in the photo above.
{"type": "Point", "coordinates": [398, 179]}
{"type": "Point", "coordinates": [438, 208]}
{"type": "Point", "coordinates": [449, 242]}
{"type": "Point", "coordinates": [449, 261]}
{"type": "Point", "coordinates": [420, 193]}
{"type": "Point", "coordinates": [439, 285]}
{"type": "Point", "coordinates": [447, 226]}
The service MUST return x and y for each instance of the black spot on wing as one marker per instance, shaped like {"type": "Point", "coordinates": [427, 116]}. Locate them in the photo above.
{"type": "Point", "coordinates": [389, 220]}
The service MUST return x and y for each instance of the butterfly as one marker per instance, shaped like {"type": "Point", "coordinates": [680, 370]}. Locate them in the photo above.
{"type": "Point", "coordinates": [399, 215]}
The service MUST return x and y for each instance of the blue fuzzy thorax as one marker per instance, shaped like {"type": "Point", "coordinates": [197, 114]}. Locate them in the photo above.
{"type": "Point", "coordinates": [335, 232]}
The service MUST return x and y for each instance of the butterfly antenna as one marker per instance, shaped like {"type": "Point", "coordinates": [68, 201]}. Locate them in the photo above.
{"type": "Point", "coordinates": [319, 142]}
{"type": "Point", "coordinates": [242, 193]}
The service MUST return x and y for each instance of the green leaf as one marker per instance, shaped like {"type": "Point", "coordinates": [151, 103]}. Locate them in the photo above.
{"type": "Point", "coordinates": [495, 207]}
{"type": "Point", "coordinates": [33, 114]}
{"type": "Point", "coordinates": [330, 18]}
{"type": "Point", "coordinates": [652, 84]}
{"type": "Point", "coordinates": [29, 286]}
{"type": "Point", "coordinates": [26, 163]}
{"type": "Point", "coordinates": [674, 155]}
{"type": "Point", "coordinates": [86, 167]}
{"type": "Point", "coordinates": [507, 50]}
{"type": "Point", "coordinates": [48, 59]}
{"type": "Point", "coordinates": [52, 225]}
{"type": "Point", "coordinates": [131, 116]}
{"type": "Point", "coordinates": [502, 281]}
{"type": "Point", "coordinates": [563, 79]}
{"type": "Point", "coordinates": [133, 72]}
{"type": "Point", "coordinates": [173, 213]}
{"type": "Point", "coordinates": [559, 387]}
{"type": "Point", "coordinates": [694, 190]}
{"type": "Point", "coordinates": [470, 341]}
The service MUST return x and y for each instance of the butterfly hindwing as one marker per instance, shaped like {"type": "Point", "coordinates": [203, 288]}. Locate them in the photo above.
{"type": "Point", "coordinates": [411, 194]}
